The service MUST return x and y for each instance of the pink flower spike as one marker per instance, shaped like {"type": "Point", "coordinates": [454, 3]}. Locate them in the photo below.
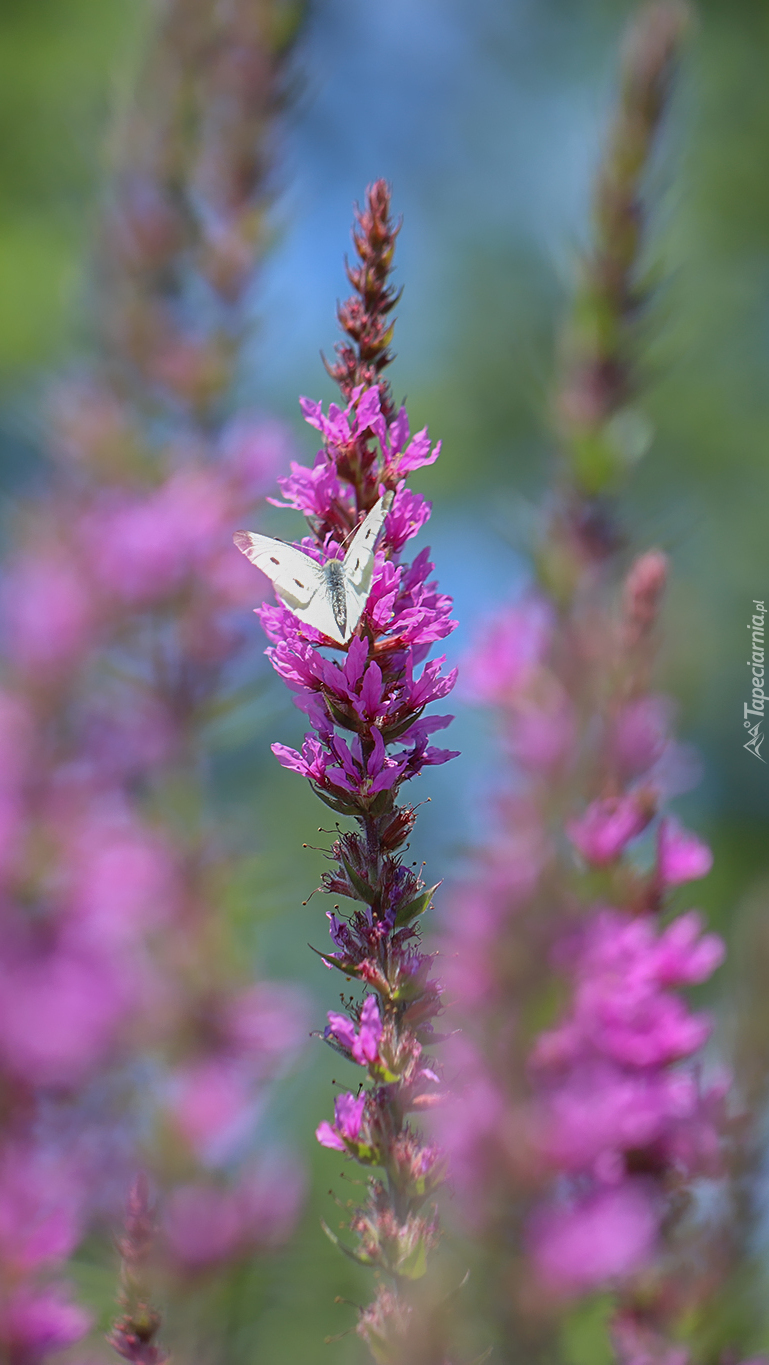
{"type": "Point", "coordinates": [644, 587]}
{"type": "Point", "coordinates": [681, 856]}
{"type": "Point", "coordinates": [607, 826]}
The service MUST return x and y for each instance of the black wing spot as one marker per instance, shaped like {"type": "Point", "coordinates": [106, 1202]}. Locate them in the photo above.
{"type": "Point", "coordinates": [273, 560]}
{"type": "Point", "coordinates": [299, 583]}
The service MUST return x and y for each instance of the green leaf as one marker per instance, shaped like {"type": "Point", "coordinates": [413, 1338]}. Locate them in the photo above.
{"type": "Point", "coordinates": [392, 732]}
{"type": "Point", "coordinates": [358, 1256]}
{"type": "Point", "coordinates": [364, 1153]}
{"type": "Point", "coordinates": [340, 714]}
{"type": "Point", "coordinates": [341, 807]}
{"type": "Point", "coordinates": [414, 1266]}
{"type": "Point", "coordinates": [330, 961]}
{"type": "Point", "coordinates": [415, 907]}
{"type": "Point", "coordinates": [362, 887]}
{"type": "Point", "coordinates": [383, 1074]}
{"type": "Point", "coordinates": [381, 803]}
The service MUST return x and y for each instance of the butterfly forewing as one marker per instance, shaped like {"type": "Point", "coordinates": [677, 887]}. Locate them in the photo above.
{"type": "Point", "coordinates": [295, 577]}
{"type": "Point", "coordinates": [299, 582]}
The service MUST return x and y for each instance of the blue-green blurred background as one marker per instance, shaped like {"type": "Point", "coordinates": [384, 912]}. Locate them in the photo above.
{"type": "Point", "coordinates": [487, 117]}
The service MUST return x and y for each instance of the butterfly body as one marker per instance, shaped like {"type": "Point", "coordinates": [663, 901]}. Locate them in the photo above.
{"type": "Point", "coordinates": [331, 596]}
{"type": "Point", "coordinates": [333, 572]}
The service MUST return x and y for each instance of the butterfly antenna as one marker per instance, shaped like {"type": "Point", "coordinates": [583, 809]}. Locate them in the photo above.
{"type": "Point", "coordinates": [350, 533]}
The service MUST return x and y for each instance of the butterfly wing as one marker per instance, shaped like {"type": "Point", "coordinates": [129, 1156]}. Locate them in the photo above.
{"type": "Point", "coordinates": [299, 582]}
{"type": "Point", "coordinates": [359, 561]}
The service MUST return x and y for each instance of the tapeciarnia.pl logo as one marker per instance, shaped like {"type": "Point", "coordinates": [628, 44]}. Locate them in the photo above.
{"type": "Point", "coordinates": [755, 707]}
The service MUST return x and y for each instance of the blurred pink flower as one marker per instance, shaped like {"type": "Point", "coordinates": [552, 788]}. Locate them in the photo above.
{"type": "Point", "coordinates": [59, 1013]}
{"type": "Point", "coordinates": [510, 646]}
{"type": "Point", "coordinates": [601, 1110]}
{"type": "Point", "coordinates": [205, 1223]}
{"type": "Point", "coordinates": [268, 1020]}
{"type": "Point", "coordinates": [541, 727]}
{"type": "Point", "coordinates": [684, 954]}
{"type": "Point", "coordinates": [36, 1323]}
{"type": "Point", "coordinates": [608, 1084]}
{"type": "Point", "coordinates": [644, 586]}
{"type": "Point", "coordinates": [681, 856]}
{"type": "Point", "coordinates": [49, 610]}
{"type": "Point", "coordinates": [607, 826]}
{"type": "Point", "coordinates": [119, 880]}
{"type": "Point", "coordinates": [214, 1105]}
{"type": "Point", "coordinates": [636, 1343]}
{"type": "Point", "coordinates": [254, 450]}
{"type": "Point", "coordinates": [597, 1240]}
{"type": "Point", "coordinates": [215, 1099]}
{"type": "Point", "coordinates": [640, 735]}
{"type": "Point", "coordinates": [620, 1007]}
{"type": "Point", "coordinates": [202, 1225]}
{"type": "Point", "coordinates": [41, 1207]}
{"type": "Point", "coordinates": [142, 547]}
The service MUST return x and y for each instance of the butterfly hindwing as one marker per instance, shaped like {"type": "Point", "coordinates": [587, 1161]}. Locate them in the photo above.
{"type": "Point", "coordinates": [359, 560]}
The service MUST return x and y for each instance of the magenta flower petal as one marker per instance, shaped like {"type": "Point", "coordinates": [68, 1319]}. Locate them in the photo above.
{"type": "Point", "coordinates": [365, 1046]}
{"type": "Point", "coordinates": [348, 1114]}
{"type": "Point", "coordinates": [342, 1029]}
{"type": "Point", "coordinates": [328, 1137]}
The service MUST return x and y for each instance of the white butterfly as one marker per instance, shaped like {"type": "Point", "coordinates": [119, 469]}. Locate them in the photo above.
{"type": "Point", "coordinates": [329, 596]}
